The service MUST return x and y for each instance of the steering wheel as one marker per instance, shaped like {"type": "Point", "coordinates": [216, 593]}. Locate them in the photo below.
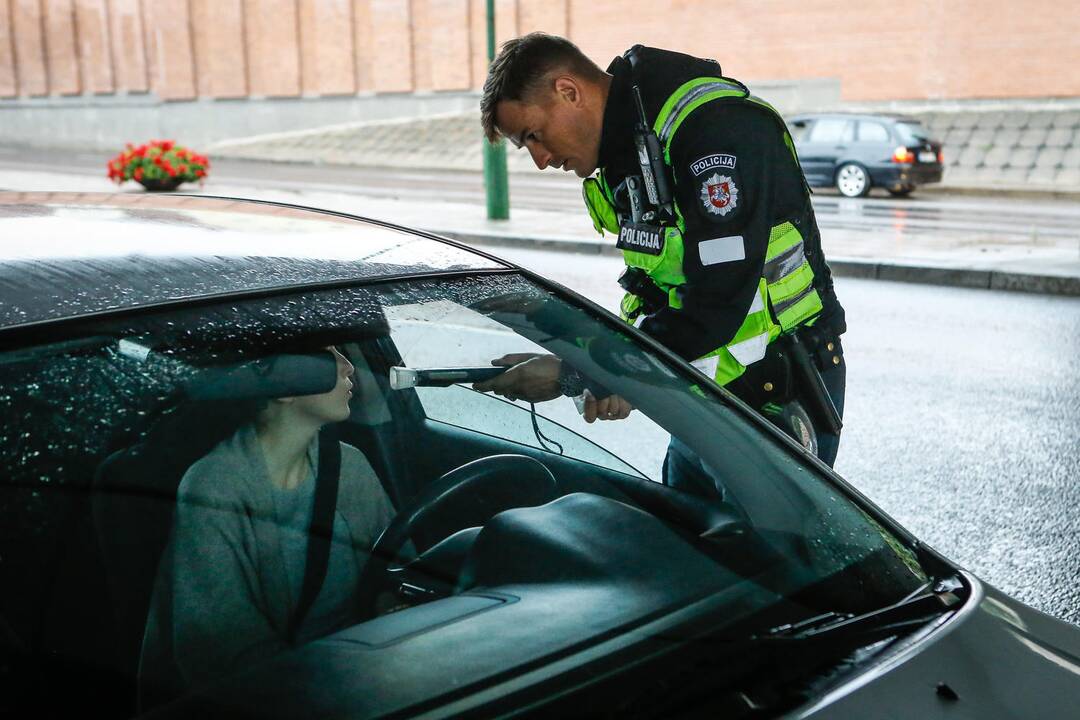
{"type": "Point", "coordinates": [467, 496]}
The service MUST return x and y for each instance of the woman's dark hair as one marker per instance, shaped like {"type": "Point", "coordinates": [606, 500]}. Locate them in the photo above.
{"type": "Point", "coordinates": [521, 66]}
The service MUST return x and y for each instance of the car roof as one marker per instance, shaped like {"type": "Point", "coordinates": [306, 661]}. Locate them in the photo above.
{"type": "Point", "coordinates": [68, 255]}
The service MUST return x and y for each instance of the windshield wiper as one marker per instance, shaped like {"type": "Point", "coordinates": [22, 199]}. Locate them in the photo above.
{"type": "Point", "coordinates": [808, 655]}
{"type": "Point", "coordinates": [875, 625]}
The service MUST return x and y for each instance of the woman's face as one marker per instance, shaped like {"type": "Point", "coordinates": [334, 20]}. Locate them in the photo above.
{"type": "Point", "coordinates": [331, 406]}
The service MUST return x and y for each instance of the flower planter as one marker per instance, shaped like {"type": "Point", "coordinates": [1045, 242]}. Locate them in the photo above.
{"type": "Point", "coordinates": [159, 166]}
{"type": "Point", "coordinates": [160, 184]}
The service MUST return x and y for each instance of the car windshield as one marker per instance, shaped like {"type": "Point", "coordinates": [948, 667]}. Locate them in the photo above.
{"type": "Point", "coordinates": [911, 132]}
{"type": "Point", "coordinates": [155, 526]}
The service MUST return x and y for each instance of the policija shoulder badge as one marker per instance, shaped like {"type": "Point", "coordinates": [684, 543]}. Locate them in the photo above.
{"type": "Point", "coordinates": [719, 194]}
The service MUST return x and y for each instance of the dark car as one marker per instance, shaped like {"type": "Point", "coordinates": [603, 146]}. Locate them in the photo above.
{"type": "Point", "coordinates": [516, 560]}
{"type": "Point", "coordinates": [856, 152]}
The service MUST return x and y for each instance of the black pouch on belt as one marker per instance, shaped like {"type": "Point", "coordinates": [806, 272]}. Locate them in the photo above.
{"type": "Point", "coordinates": [824, 346]}
{"type": "Point", "coordinates": [769, 380]}
{"type": "Point", "coordinates": [812, 388]}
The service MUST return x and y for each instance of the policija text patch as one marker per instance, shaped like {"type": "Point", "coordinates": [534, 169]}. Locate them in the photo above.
{"type": "Point", "coordinates": [637, 237]}
{"type": "Point", "coordinates": [711, 162]}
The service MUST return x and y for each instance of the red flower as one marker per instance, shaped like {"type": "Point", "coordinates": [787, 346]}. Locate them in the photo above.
{"type": "Point", "coordinates": [157, 159]}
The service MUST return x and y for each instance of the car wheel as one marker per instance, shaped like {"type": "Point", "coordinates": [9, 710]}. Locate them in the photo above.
{"type": "Point", "coordinates": [902, 192]}
{"type": "Point", "coordinates": [852, 180]}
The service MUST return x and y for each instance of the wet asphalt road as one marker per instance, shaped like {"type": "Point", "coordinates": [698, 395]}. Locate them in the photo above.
{"type": "Point", "coordinates": [962, 420]}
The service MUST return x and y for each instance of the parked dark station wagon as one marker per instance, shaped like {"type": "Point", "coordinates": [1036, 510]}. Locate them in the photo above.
{"type": "Point", "coordinates": [160, 356]}
{"type": "Point", "coordinates": [855, 152]}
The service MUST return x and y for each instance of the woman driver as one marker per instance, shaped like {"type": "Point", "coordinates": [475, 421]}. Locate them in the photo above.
{"type": "Point", "coordinates": [231, 578]}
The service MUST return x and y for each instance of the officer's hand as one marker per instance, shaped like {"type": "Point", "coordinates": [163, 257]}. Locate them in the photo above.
{"type": "Point", "coordinates": [532, 377]}
{"type": "Point", "coordinates": [612, 407]}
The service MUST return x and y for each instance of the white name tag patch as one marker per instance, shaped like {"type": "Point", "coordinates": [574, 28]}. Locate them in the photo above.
{"type": "Point", "coordinates": [711, 162]}
{"type": "Point", "coordinates": [722, 250]}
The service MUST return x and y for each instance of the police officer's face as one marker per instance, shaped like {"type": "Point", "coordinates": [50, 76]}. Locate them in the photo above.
{"type": "Point", "coordinates": [560, 126]}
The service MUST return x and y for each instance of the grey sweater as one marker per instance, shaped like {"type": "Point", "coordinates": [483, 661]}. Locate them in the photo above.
{"type": "Point", "coordinates": [222, 598]}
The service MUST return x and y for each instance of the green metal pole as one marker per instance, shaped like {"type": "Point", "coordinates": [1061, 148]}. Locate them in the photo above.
{"type": "Point", "coordinates": [496, 183]}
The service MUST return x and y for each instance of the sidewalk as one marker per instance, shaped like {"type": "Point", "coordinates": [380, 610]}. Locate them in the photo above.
{"type": "Point", "coordinates": [957, 258]}
{"type": "Point", "coordinates": [1022, 266]}
{"type": "Point", "coordinates": [1018, 148]}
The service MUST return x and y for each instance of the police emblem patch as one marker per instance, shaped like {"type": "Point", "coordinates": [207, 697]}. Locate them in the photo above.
{"type": "Point", "coordinates": [719, 194]}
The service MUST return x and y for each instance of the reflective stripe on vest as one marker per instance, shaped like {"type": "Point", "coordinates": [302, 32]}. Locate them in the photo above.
{"type": "Point", "coordinates": [789, 277]}
{"type": "Point", "coordinates": [750, 349]}
{"type": "Point", "coordinates": [678, 105]}
{"type": "Point", "coordinates": [749, 344]}
{"type": "Point", "coordinates": [699, 91]}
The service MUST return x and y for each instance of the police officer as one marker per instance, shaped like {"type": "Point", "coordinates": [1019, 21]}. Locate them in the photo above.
{"type": "Point", "coordinates": [699, 182]}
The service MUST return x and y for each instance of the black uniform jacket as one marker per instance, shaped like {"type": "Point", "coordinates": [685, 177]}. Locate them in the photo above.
{"type": "Point", "coordinates": [734, 179]}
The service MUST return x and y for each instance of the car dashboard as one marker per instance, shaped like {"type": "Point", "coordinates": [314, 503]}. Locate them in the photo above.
{"type": "Point", "coordinates": [540, 588]}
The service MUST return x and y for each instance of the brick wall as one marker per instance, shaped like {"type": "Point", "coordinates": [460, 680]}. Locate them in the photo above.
{"type": "Point", "coordinates": [187, 49]}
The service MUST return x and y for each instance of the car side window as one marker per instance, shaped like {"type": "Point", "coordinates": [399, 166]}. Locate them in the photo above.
{"type": "Point", "coordinates": [911, 132]}
{"type": "Point", "coordinates": [799, 128]}
{"type": "Point", "coordinates": [870, 131]}
{"type": "Point", "coordinates": [443, 334]}
{"type": "Point", "coordinates": [831, 130]}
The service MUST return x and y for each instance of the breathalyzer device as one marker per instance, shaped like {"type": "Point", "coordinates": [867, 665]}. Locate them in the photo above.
{"type": "Point", "coordinates": [403, 377]}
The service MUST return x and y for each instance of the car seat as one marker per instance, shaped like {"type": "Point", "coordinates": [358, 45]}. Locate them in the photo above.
{"type": "Point", "coordinates": [134, 494]}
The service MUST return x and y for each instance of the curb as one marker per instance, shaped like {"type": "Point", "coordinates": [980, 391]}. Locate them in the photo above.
{"type": "Point", "coordinates": [841, 266]}
{"type": "Point", "coordinates": [956, 277]}
{"type": "Point", "coordinates": [1071, 193]}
